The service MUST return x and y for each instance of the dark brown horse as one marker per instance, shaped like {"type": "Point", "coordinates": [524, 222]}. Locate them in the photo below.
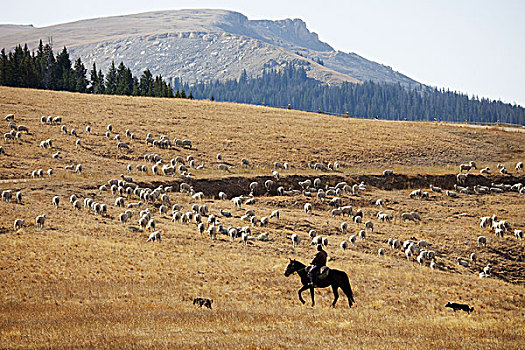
{"type": "Point", "coordinates": [336, 279]}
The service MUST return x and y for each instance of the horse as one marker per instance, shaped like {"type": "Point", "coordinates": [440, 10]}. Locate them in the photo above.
{"type": "Point", "coordinates": [336, 279]}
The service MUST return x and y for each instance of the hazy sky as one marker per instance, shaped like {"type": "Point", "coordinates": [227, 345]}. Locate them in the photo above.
{"type": "Point", "coordinates": [472, 46]}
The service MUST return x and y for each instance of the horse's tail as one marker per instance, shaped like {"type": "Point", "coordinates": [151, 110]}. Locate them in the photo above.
{"type": "Point", "coordinates": [345, 286]}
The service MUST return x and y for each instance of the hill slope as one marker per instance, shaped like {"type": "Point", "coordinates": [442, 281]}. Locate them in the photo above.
{"type": "Point", "coordinates": [202, 45]}
{"type": "Point", "coordinates": [83, 272]}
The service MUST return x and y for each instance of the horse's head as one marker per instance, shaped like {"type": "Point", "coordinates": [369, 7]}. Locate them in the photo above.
{"type": "Point", "coordinates": [291, 268]}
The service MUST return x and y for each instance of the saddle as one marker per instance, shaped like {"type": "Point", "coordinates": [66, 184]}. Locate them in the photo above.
{"type": "Point", "coordinates": [322, 274]}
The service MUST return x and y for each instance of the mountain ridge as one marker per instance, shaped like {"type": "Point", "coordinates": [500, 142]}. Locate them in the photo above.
{"type": "Point", "coordinates": [203, 45]}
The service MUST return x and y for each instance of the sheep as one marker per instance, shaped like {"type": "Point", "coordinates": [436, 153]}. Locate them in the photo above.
{"type": "Point", "coordinates": [408, 253]}
{"type": "Point", "coordinates": [519, 166]}
{"type": "Point", "coordinates": [461, 178]}
{"type": "Point", "coordinates": [78, 143]}
{"type": "Point", "coordinates": [518, 234]}
{"type": "Point", "coordinates": [154, 236]}
{"type": "Point", "coordinates": [357, 220]}
{"type": "Point", "coordinates": [264, 221]}
{"type": "Point", "coordinates": [7, 195]}
{"type": "Point", "coordinates": [268, 185]}
{"type": "Point", "coordinates": [74, 133]}
{"type": "Point", "coordinates": [344, 245]}
{"type": "Point", "coordinates": [362, 234]}
{"type": "Point", "coordinates": [78, 169]}
{"type": "Point", "coordinates": [123, 217]}
{"type": "Point", "coordinates": [275, 214]}
{"type": "Point", "coordinates": [9, 117]}
{"type": "Point", "coordinates": [344, 227]}
{"type": "Point", "coordinates": [487, 269]}
{"type": "Point", "coordinates": [485, 222]}
{"type": "Point", "coordinates": [120, 202]}
{"type": "Point", "coordinates": [503, 171]}
{"type": "Point", "coordinates": [312, 234]}
{"type": "Point", "coordinates": [352, 239]}
{"type": "Point", "coordinates": [18, 197]}
{"type": "Point", "coordinates": [381, 251]}
{"type": "Point", "coordinates": [151, 224]}
{"type": "Point", "coordinates": [63, 128]}
{"type": "Point", "coordinates": [482, 240]}
{"type": "Point", "coordinates": [466, 167]}
{"type": "Point", "coordinates": [308, 208]}
{"type": "Point", "coordinates": [473, 258]}
{"type": "Point", "coordinates": [77, 204]}
{"type": "Point", "coordinates": [122, 145]}
{"type": "Point", "coordinates": [485, 171]}
{"type": "Point", "coordinates": [19, 223]}
{"type": "Point", "coordinates": [245, 163]}
{"type": "Point", "coordinates": [435, 189]}
{"type": "Point", "coordinates": [462, 262]}
{"type": "Point", "coordinates": [9, 136]}
{"type": "Point", "coordinates": [383, 217]}
{"type": "Point", "coordinates": [388, 172]}
{"type": "Point", "coordinates": [369, 225]}
{"type": "Point", "coordinates": [40, 221]}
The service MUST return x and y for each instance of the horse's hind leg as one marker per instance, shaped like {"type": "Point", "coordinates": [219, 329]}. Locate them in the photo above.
{"type": "Point", "coordinates": [312, 294]}
{"type": "Point", "coordinates": [336, 295]}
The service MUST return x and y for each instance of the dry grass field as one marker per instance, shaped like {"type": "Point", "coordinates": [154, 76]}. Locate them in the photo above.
{"type": "Point", "coordinates": [88, 281]}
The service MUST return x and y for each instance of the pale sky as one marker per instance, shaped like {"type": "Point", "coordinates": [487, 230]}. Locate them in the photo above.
{"type": "Point", "coordinates": [472, 46]}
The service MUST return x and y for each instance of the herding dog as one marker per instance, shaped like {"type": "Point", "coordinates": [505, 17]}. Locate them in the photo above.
{"type": "Point", "coordinates": [203, 302]}
{"type": "Point", "coordinates": [456, 306]}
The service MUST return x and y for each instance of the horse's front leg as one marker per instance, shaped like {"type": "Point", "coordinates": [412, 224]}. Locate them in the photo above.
{"type": "Point", "coordinates": [312, 294]}
{"type": "Point", "coordinates": [303, 288]}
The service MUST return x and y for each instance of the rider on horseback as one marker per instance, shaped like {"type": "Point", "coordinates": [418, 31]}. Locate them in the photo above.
{"type": "Point", "coordinates": [318, 262]}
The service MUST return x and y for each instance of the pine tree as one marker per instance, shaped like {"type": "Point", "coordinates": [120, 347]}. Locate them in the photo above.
{"type": "Point", "coordinates": [111, 79]}
{"type": "Point", "coordinates": [79, 72]}
{"type": "Point", "coordinates": [146, 83]}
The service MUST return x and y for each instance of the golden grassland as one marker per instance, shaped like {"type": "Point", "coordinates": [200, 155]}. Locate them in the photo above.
{"type": "Point", "coordinates": [87, 281]}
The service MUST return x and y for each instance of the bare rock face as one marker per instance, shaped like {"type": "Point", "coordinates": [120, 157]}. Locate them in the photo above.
{"type": "Point", "coordinates": [202, 45]}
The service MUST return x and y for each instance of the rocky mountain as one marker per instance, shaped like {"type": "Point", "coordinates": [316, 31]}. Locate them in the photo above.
{"type": "Point", "coordinates": [200, 45]}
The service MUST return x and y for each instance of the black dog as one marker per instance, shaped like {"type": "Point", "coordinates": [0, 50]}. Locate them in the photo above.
{"type": "Point", "coordinates": [203, 302]}
{"type": "Point", "coordinates": [456, 306]}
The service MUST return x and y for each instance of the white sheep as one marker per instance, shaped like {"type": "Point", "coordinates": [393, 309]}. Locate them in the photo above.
{"type": "Point", "coordinates": [381, 251]}
{"type": "Point", "coordinates": [344, 227]}
{"type": "Point", "coordinates": [154, 236]}
{"type": "Point", "coordinates": [78, 169]}
{"type": "Point", "coordinates": [56, 201]}
{"type": "Point", "coordinates": [473, 258]}
{"type": "Point", "coordinates": [462, 262]}
{"type": "Point", "coordinates": [519, 166]}
{"type": "Point", "coordinates": [123, 217]}
{"type": "Point", "coordinates": [308, 208]}
{"type": "Point", "coordinates": [19, 223]}
{"type": "Point", "coordinates": [362, 234]}
{"type": "Point", "coordinates": [352, 239]}
{"type": "Point", "coordinates": [518, 234]}
{"type": "Point", "coordinates": [275, 214]}
{"type": "Point", "coordinates": [344, 245]}
{"type": "Point", "coordinates": [369, 225]}
{"type": "Point", "coordinates": [18, 197]}
{"type": "Point", "coordinates": [40, 221]}
{"type": "Point", "coordinates": [482, 240]}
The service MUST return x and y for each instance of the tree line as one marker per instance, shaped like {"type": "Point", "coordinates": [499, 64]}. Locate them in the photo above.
{"type": "Point", "coordinates": [43, 70]}
{"type": "Point", "coordinates": [290, 85]}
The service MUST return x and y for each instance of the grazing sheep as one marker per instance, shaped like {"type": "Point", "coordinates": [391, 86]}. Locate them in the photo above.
{"type": "Point", "coordinates": [2, 150]}
{"type": "Point", "coordinates": [433, 265]}
{"type": "Point", "coordinates": [19, 223]}
{"type": "Point", "coordinates": [18, 197]}
{"type": "Point", "coordinates": [78, 143]}
{"type": "Point", "coordinates": [324, 241]}
{"type": "Point", "coordinates": [357, 220]}
{"type": "Point", "coordinates": [77, 204]}
{"type": "Point", "coordinates": [63, 128]}
{"type": "Point", "coordinates": [154, 236]}
{"type": "Point", "coordinates": [78, 169]}
{"type": "Point", "coordinates": [435, 189]}
{"type": "Point", "coordinates": [296, 239]}
{"type": "Point", "coordinates": [369, 225]}
{"type": "Point", "coordinates": [388, 172]}
{"type": "Point", "coordinates": [381, 251]}
{"type": "Point", "coordinates": [7, 195]}
{"type": "Point", "coordinates": [151, 224]}
{"type": "Point", "coordinates": [487, 269]}
{"type": "Point", "coordinates": [308, 208]}
{"type": "Point", "coordinates": [518, 234]}
{"type": "Point", "coordinates": [485, 171]}
{"type": "Point", "coordinates": [473, 258]}
{"type": "Point", "coordinates": [461, 178]}
{"type": "Point", "coordinates": [462, 262]}
{"type": "Point", "coordinates": [413, 216]}
{"type": "Point", "coordinates": [40, 221]}
{"type": "Point", "coordinates": [123, 217]}
{"type": "Point", "coordinates": [485, 222]}
{"type": "Point", "coordinates": [344, 227]}
{"type": "Point", "coordinates": [383, 217]}
{"type": "Point", "coordinates": [275, 214]}
{"type": "Point", "coordinates": [362, 234]}
{"type": "Point", "coordinates": [264, 221]}
{"type": "Point", "coordinates": [519, 166]}
{"type": "Point", "coordinates": [482, 240]}
{"type": "Point", "coordinates": [352, 239]}
{"type": "Point", "coordinates": [56, 201]}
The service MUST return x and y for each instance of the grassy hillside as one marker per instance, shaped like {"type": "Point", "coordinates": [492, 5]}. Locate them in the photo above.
{"type": "Point", "coordinates": [89, 281]}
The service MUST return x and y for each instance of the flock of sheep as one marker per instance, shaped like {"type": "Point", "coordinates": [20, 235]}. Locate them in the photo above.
{"type": "Point", "coordinates": [147, 205]}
